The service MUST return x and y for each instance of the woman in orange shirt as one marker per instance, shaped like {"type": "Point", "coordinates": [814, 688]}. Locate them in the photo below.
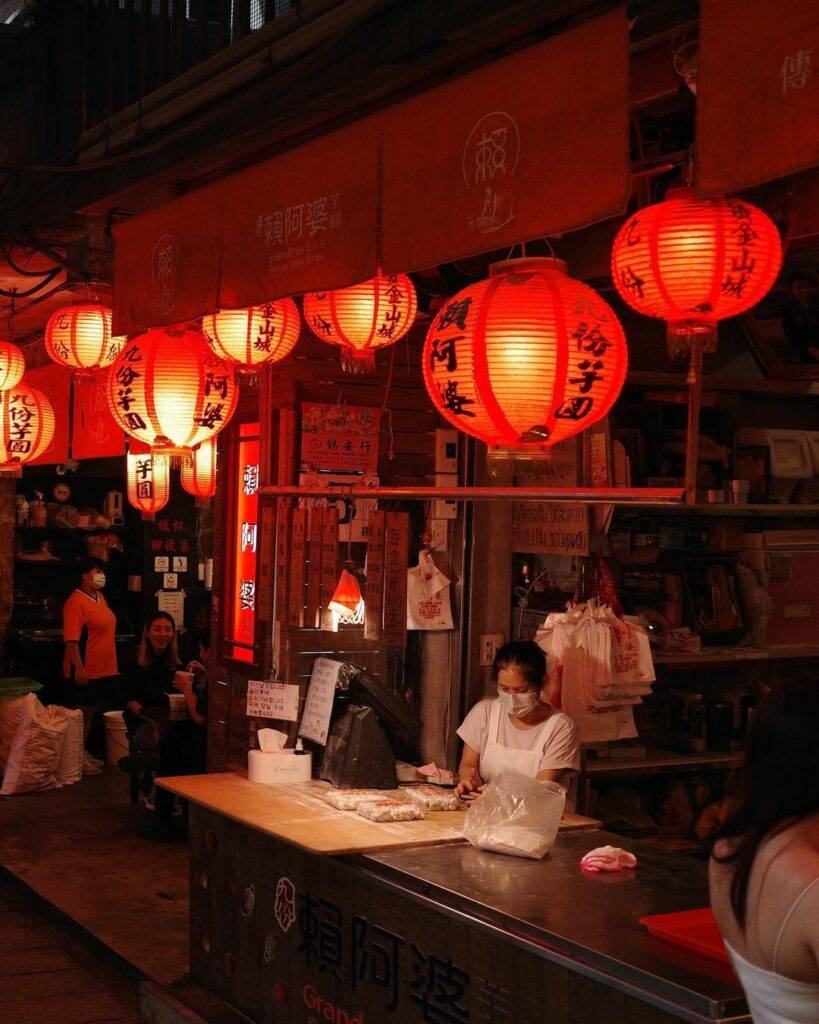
{"type": "Point", "coordinates": [90, 660]}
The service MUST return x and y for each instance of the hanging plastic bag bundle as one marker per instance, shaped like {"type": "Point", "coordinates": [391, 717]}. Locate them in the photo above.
{"type": "Point", "coordinates": [517, 815]}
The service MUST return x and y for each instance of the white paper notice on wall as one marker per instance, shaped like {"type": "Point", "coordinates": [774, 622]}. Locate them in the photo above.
{"type": "Point", "coordinates": [162, 563]}
{"type": "Point", "coordinates": [170, 581]}
{"type": "Point", "coordinates": [315, 721]}
{"type": "Point", "coordinates": [173, 602]}
{"type": "Point", "coordinates": [267, 699]}
{"type": "Point", "coordinates": [180, 563]}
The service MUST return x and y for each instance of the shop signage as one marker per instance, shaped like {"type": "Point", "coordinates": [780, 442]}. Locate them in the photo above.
{"type": "Point", "coordinates": [374, 591]}
{"type": "Point", "coordinates": [244, 499]}
{"type": "Point", "coordinates": [554, 528]}
{"type": "Point", "coordinates": [269, 699]}
{"type": "Point", "coordinates": [318, 707]}
{"type": "Point", "coordinates": [95, 434]}
{"type": "Point", "coordinates": [339, 437]}
{"type": "Point", "coordinates": [396, 554]}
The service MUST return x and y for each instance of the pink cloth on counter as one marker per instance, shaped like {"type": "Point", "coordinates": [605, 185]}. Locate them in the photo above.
{"type": "Point", "coordinates": [608, 858]}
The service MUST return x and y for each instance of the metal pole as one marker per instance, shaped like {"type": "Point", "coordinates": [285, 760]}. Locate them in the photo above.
{"type": "Point", "coordinates": [648, 496]}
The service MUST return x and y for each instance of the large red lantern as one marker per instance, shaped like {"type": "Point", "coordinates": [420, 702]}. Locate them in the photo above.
{"type": "Point", "coordinates": [198, 474]}
{"type": "Point", "coordinates": [251, 337]}
{"type": "Point", "coordinates": [149, 481]}
{"type": "Point", "coordinates": [364, 317]}
{"type": "Point", "coordinates": [693, 262]}
{"type": "Point", "coordinates": [26, 427]}
{"type": "Point", "coordinates": [527, 357]}
{"type": "Point", "coordinates": [12, 366]}
{"type": "Point", "coordinates": [80, 338]}
{"type": "Point", "coordinates": [168, 390]}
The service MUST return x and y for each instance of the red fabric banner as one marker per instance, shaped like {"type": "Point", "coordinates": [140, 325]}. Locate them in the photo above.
{"type": "Point", "coordinates": [303, 221]}
{"type": "Point", "coordinates": [757, 92]}
{"type": "Point", "coordinates": [55, 383]}
{"type": "Point", "coordinates": [166, 263]}
{"type": "Point", "coordinates": [533, 145]}
{"type": "Point", "coordinates": [95, 434]}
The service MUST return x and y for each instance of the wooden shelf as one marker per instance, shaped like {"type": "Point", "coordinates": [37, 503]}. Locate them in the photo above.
{"type": "Point", "coordinates": [657, 762]}
{"type": "Point", "coordinates": [713, 657]}
{"type": "Point", "coordinates": [775, 388]}
{"type": "Point", "coordinates": [729, 511]}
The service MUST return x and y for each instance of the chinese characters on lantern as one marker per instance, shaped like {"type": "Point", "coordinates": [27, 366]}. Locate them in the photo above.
{"type": "Point", "coordinates": [243, 575]}
{"type": "Point", "coordinates": [125, 376]}
{"type": "Point", "coordinates": [363, 953]}
{"type": "Point", "coordinates": [294, 236]}
{"type": "Point", "coordinates": [742, 265]}
{"type": "Point", "coordinates": [22, 422]}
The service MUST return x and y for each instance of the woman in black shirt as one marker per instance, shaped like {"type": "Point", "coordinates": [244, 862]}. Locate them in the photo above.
{"type": "Point", "coordinates": [156, 675]}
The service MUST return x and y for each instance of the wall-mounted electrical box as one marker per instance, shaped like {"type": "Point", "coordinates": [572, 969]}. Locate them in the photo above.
{"type": "Point", "coordinates": [446, 451]}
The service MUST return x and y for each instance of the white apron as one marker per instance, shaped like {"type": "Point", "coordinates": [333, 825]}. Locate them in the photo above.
{"type": "Point", "coordinates": [497, 758]}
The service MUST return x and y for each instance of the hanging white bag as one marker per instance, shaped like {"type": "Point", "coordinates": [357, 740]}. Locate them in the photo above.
{"type": "Point", "coordinates": [428, 602]}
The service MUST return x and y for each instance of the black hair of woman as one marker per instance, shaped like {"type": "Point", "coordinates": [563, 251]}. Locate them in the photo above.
{"type": "Point", "coordinates": [89, 564]}
{"type": "Point", "coordinates": [525, 655]}
{"type": "Point", "coordinates": [780, 780]}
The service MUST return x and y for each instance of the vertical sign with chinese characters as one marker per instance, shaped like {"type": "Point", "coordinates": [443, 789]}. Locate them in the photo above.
{"type": "Point", "coordinates": [396, 553]}
{"type": "Point", "coordinates": [374, 596]}
{"type": "Point", "coordinates": [314, 546]}
{"type": "Point", "coordinates": [243, 582]}
{"type": "Point", "coordinates": [296, 581]}
{"type": "Point", "coordinates": [329, 562]}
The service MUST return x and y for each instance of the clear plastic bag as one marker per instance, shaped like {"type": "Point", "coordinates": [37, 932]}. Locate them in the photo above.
{"type": "Point", "coordinates": [516, 815]}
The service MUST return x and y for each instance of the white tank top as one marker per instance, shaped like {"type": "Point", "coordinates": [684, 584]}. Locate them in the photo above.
{"type": "Point", "coordinates": [773, 998]}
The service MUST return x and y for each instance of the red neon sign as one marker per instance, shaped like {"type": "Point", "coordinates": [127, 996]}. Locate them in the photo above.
{"type": "Point", "coordinates": [244, 541]}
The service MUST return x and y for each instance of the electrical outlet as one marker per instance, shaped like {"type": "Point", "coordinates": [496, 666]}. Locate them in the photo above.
{"type": "Point", "coordinates": [490, 642]}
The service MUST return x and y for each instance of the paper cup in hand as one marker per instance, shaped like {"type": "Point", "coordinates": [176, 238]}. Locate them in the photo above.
{"type": "Point", "coordinates": [179, 708]}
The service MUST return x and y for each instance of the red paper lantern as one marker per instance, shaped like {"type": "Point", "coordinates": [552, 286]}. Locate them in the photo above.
{"type": "Point", "coordinates": [525, 358]}
{"type": "Point", "coordinates": [251, 337]}
{"type": "Point", "coordinates": [149, 481]}
{"type": "Point", "coordinates": [26, 425]}
{"type": "Point", "coordinates": [80, 338]}
{"type": "Point", "coordinates": [693, 262]}
{"type": "Point", "coordinates": [12, 365]}
{"type": "Point", "coordinates": [198, 473]}
{"type": "Point", "coordinates": [363, 318]}
{"type": "Point", "coordinates": [168, 390]}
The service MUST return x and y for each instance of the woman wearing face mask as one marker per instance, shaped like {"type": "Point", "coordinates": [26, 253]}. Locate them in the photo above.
{"type": "Point", "coordinates": [90, 668]}
{"type": "Point", "coordinates": [517, 730]}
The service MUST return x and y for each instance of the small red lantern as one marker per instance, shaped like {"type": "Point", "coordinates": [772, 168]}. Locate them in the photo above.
{"type": "Point", "coordinates": [254, 336]}
{"type": "Point", "coordinates": [526, 358]}
{"type": "Point", "coordinates": [347, 605]}
{"type": "Point", "coordinates": [80, 338]}
{"type": "Point", "coordinates": [168, 390]}
{"type": "Point", "coordinates": [198, 475]}
{"type": "Point", "coordinates": [693, 261]}
{"type": "Point", "coordinates": [12, 366]}
{"type": "Point", "coordinates": [149, 481]}
{"type": "Point", "coordinates": [27, 427]}
{"type": "Point", "coordinates": [363, 318]}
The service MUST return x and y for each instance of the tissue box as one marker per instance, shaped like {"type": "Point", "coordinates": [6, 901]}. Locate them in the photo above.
{"type": "Point", "coordinates": [279, 767]}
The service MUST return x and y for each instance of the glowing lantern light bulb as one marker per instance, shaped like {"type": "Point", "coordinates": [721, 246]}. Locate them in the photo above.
{"type": "Point", "coordinates": [694, 261]}
{"type": "Point", "coordinates": [363, 318]}
{"type": "Point", "coordinates": [526, 358]}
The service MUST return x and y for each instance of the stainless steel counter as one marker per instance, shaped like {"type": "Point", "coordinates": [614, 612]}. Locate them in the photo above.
{"type": "Point", "coordinates": [587, 923]}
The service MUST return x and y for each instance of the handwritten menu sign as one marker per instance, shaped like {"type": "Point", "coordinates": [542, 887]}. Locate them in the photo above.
{"type": "Point", "coordinates": [396, 552]}
{"type": "Point", "coordinates": [267, 699]}
{"type": "Point", "coordinates": [553, 528]}
{"type": "Point", "coordinates": [318, 708]}
{"type": "Point", "coordinates": [339, 437]}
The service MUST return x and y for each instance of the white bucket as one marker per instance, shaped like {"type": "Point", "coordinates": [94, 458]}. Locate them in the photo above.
{"type": "Point", "coordinates": [116, 742]}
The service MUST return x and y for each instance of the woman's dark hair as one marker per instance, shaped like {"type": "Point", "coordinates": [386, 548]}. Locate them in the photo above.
{"type": "Point", "coordinates": [780, 779]}
{"type": "Point", "coordinates": [89, 564]}
{"type": "Point", "coordinates": [522, 654]}
{"type": "Point", "coordinates": [145, 654]}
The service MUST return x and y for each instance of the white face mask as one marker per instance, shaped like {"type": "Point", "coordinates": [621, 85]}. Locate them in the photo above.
{"type": "Point", "coordinates": [518, 704]}
{"type": "Point", "coordinates": [98, 579]}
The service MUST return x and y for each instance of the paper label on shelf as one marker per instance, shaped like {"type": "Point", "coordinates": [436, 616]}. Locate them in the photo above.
{"type": "Point", "coordinates": [162, 563]}
{"type": "Point", "coordinates": [173, 602]}
{"type": "Point", "coordinates": [315, 721]}
{"type": "Point", "coordinates": [268, 699]}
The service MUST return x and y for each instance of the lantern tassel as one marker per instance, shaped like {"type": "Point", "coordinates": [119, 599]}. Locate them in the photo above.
{"type": "Point", "coordinates": [355, 360]}
{"type": "Point", "coordinates": [685, 335]}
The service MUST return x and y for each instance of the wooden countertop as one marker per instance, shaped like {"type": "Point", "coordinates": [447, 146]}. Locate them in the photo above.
{"type": "Point", "coordinates": [298, 815]}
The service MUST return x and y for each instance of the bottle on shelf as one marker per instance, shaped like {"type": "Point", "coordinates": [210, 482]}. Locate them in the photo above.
{"type": "Point", "coordinates": [39, 512]}
{"type": "Point", "coordinates": [696, 724]}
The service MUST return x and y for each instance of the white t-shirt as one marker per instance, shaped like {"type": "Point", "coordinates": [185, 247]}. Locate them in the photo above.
{"type": "Point", "coordinates": [557, 739]}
